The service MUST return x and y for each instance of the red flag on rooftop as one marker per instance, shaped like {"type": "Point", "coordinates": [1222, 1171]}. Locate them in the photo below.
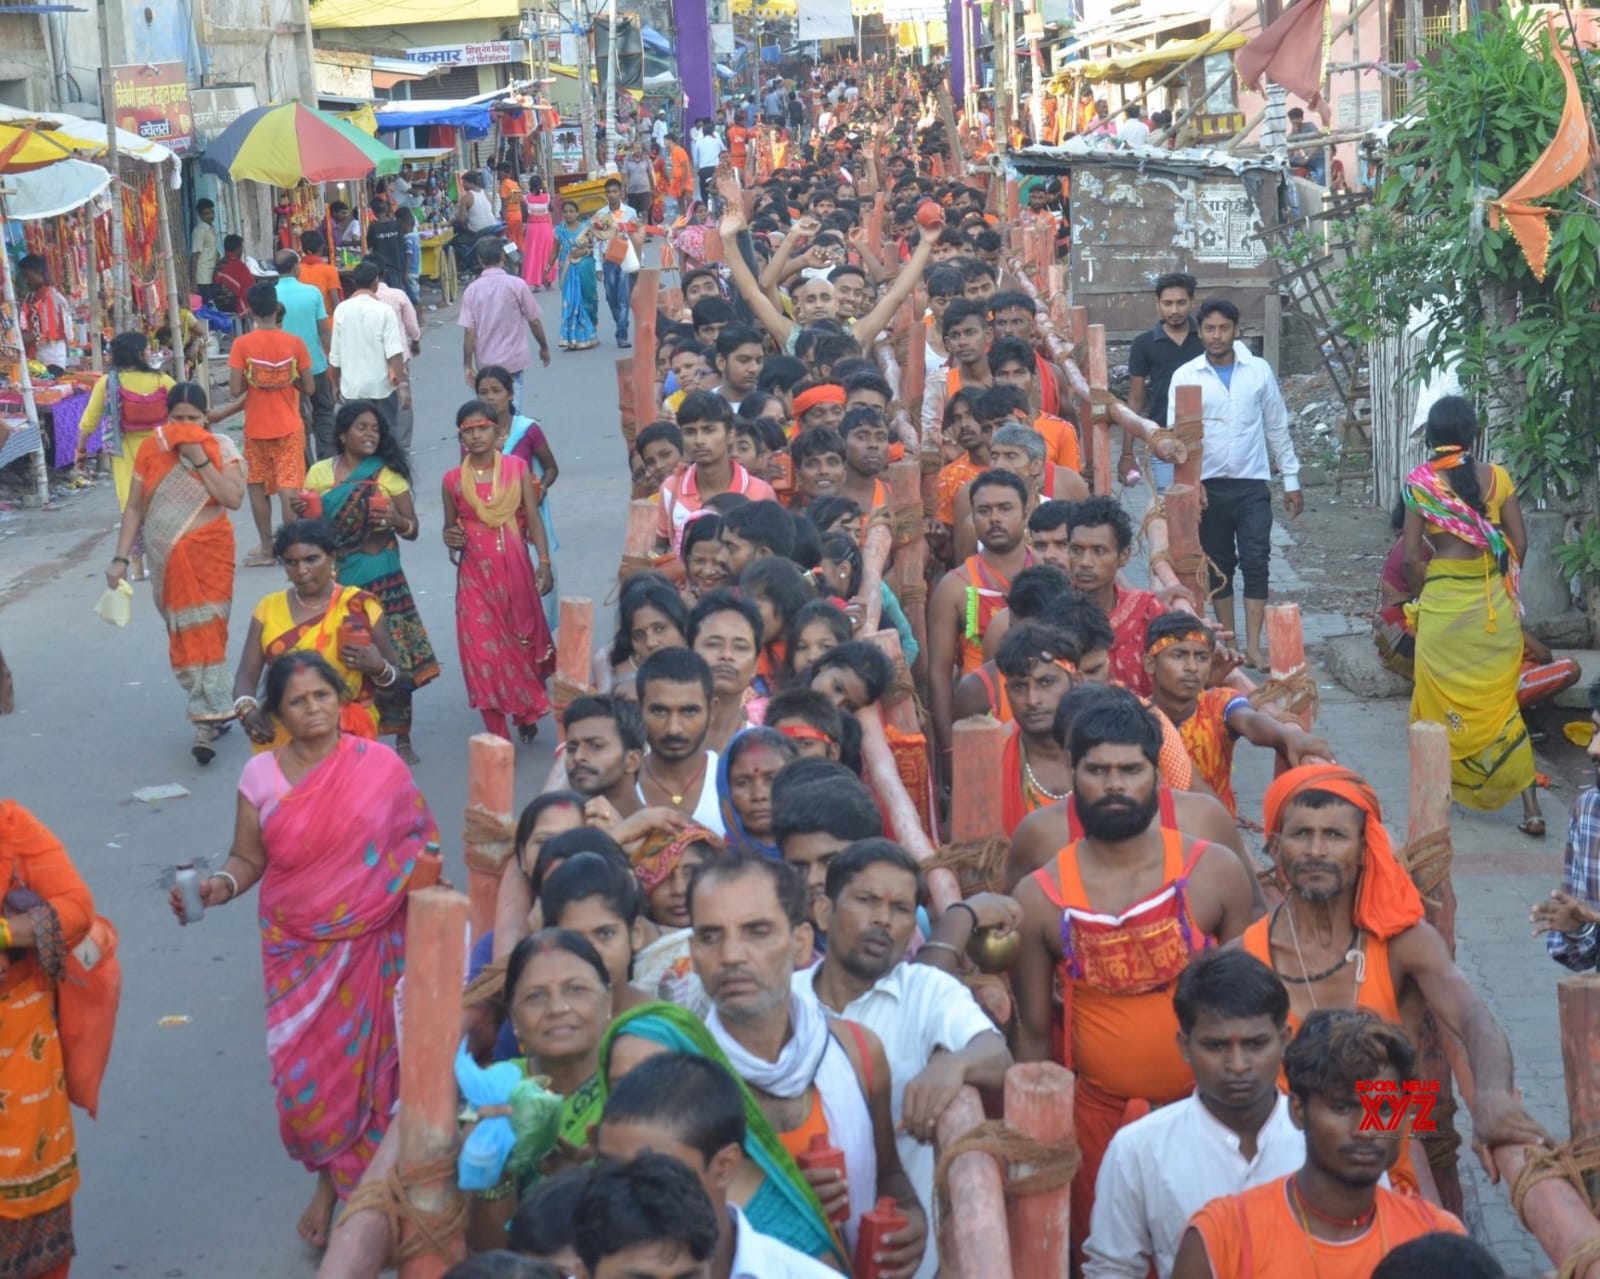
{"type": "Point", "coordinates": [1290, 53]}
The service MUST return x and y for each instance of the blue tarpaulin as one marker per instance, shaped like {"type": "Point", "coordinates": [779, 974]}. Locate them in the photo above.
{"type": "Point", "coordinates": [653, 39]}
{"type": "Point", "coordinates": [474, 117]}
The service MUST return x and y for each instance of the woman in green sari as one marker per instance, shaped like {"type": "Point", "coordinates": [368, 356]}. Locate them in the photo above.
{"type": "Point", "coordinates": [558, 996]}
{"type": "Point", "coordinates": [782, 1204]}
{"type": "Point", "coordinates": [366, 497]}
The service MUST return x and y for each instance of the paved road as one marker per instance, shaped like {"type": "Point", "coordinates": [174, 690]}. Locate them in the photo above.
{"type": "Point", "coordinates": [183, 1172]}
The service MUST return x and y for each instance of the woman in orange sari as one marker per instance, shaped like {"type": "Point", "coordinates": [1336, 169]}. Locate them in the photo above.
{"type": "Point", "coordinates": [48, 911]}
{"type": "Point", "coordinates": [184, 481]}
{"type": "Point", "coordinates": [343, 624]}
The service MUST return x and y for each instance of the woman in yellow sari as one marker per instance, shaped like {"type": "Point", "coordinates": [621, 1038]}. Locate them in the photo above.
{"type": "Point", "coordinates": [316, 615]}
{"type": "Point", "coordinates": [1469, 636]}
{"type": "Point", "coordinates": [48, 911]}
{"type": "Point", "coordinates": [131, 400]}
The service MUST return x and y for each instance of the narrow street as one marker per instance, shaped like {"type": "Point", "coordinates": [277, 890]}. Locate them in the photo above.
{"type": "Point", "coordinates": [183, 1173]}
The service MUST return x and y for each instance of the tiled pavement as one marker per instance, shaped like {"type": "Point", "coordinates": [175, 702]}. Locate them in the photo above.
{"type": "Point", "coordinates": [1498, 874]}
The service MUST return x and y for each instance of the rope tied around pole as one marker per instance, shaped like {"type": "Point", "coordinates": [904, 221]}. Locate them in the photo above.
{"type": "Point", "coordinates": [905, 522]}
{"type": "Point", "coordinates": [431, 1231]}
{"type": "Point", "coordinates": [1427, 859]}
{"type": "Point", "coordinates": [1295, 691]}
{"type": "Point", "coordinates": [490, 838]}
{"type": "Point", "coordinates": [1048, 1165]}
{"type": "Point", "coordinates": [563, 692]}
{"type": "Point", "coordinates": [1569, 1161]}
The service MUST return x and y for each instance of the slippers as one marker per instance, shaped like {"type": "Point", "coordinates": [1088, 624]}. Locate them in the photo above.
{"type": "Point", "coordinates": [1533, 827]}
{"type": "Point", "coordinates": [258, 559]}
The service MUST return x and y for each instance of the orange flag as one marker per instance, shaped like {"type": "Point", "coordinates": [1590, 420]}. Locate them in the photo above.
{"type": "Point", "coordinates": [1562, 164]}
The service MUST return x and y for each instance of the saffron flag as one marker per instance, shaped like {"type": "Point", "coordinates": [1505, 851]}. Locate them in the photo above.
{"type": "Point", "coordinates": [1290, 53]}
{"type": "Point", "coordinates": [1561, 164]}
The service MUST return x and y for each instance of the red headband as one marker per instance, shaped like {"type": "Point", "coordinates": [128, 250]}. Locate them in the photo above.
{"type": "Point", "coordinates": [804, 733]}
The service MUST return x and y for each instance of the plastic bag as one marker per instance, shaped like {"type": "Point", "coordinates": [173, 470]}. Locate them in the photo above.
{"type": "Point", "coordinates": [116, 606]}
{"type": "Point", "coordinates": [483, 1156]}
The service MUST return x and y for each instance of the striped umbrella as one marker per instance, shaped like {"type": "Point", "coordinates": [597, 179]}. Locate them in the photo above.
{"type": "Point", "coordinates": [285, 143]}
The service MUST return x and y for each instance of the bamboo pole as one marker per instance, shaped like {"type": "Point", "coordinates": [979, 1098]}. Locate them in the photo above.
{"type": "Point", "coordinates": [977, 1226]}
{"type": "Point", "coordinates": [1578, 1001]}
{"type": "Point", "coordinates": [978, 745]}
{"type": "Point", "coordinates": [431, 1014]}
{"type": "Point", "coordinates": [1038, 1099]}
{"type": "Point", "coordinates": [169, 267]}
{"type": "Point", "coordinates": [491, 776]}
{"type": "Point", "coordinates": [944, 890]}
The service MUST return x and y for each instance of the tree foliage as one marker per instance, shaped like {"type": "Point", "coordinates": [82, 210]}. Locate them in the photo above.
{"type": "Point", "coordinates": [1527, 350]}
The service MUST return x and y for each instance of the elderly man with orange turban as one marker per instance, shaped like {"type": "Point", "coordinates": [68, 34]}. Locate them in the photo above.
{"type": "Point", "coordinates": [1350, 933]}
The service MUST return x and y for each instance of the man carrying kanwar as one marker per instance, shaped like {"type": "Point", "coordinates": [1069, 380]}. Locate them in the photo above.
{"type": "Point", "coordinates": [1350, 933]}
{"type": "Point", "coordinates": [1116, 917]}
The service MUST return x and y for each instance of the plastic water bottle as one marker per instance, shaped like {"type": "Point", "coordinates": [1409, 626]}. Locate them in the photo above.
{"type": "Point", "coordinates": [194, 909]}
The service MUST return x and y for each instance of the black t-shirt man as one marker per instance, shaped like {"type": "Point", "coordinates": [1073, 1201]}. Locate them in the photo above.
{"type": "Point", "coordinates": [386, 245]}
{"type": "Point", "coordinates": [1155, 357]}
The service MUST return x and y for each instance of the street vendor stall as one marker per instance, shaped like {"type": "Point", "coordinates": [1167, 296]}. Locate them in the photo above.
{"type": "Point", "coordinates": [33, 144]}
{"type": "Point", "coordinates": [296, 149]}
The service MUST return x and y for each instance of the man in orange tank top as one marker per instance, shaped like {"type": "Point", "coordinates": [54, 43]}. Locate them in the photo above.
{"type": "Point", "coordinates": [1117, 917]}
{"type": "Point", "coordinates": [1351, 933]}
{"type": "Point", "coordinates": [1330, 1219]}
{"type": "Point", "coordinates": [969, 595]}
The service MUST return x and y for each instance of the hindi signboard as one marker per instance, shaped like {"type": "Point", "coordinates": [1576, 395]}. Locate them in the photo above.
{"type": "Point", "coordinates": [485, 53]}
{"type": "Point", "coordinates": [152, 101]}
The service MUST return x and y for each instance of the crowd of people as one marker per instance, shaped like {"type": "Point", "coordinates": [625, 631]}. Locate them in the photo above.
{"type": "Point", "coordinates": [716, 1030]}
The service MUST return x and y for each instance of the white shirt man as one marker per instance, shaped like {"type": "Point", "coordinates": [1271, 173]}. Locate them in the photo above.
{"type": "Point", "coordinates": [366, 336]}
{"type": "Point", "coordinates": [1134, 131]}
{"type": "Point", "coordinates": [1162, 1169]}
{"type": "Point", "coordinates": [916, 1011]}
{"type": "Point", "coordinates": [1244, 415]}
{"type": "Point", "coordinates": [707, 149]}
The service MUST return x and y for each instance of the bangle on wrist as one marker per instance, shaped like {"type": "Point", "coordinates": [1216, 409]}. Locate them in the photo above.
{"type": "Point", "coordinates": [120, 559]}
{"type": "Point", "coordinates": [233, 884]}
{"type": "Point", "coordinates": [955, 906]}
{"type": "Point", "coordinates": [942, 945]}
{"type": "Point", "coordinates": [242, 706]}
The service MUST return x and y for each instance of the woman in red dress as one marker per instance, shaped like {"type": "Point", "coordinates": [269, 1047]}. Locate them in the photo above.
{"type": "Point", "coordinates": [491, 513]}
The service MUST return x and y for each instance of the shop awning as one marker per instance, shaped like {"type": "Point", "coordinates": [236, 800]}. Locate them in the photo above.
{"type": "Point", "coordinates": [475, 115]}
{"type": "Point", "coordinates": [53, 190]}
{"type": "Point", "coordinates": [1129, 68]}
{"type": "Point", "coordinates": [388, 72]}
{"type": "Point", "coordinates": [74, 134]}
{"type": "Point", "coordinates": [653, 39]}
{"type": "Point", "coordinates": [328, 15]}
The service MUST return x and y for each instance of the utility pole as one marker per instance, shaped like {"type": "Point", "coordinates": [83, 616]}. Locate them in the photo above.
{"type": "Point", "coordinates": [111, 11]}
{"type": "Point", "coordinates": [585, 89]}
{"type": "Point", "coordinates": [611, 82]}
{"type": "Point", "coordinates": [306, 55]}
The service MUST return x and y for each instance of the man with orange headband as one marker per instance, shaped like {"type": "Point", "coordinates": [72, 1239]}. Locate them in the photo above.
{"type": "Point", "coordinates": [1178, 652]}
{"type": "Point", "coordinates": [819, 404]}
{"type": "Point", "coordinates": [1116, 918]}
{"type": "Point", "coordinates": [1039, 665]}
{"type": "Point", "coordinates": [1350, 933]}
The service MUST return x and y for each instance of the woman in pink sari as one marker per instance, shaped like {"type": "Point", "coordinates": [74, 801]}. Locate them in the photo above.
{"type": "Point", "coordinates": [491, 514]}
{"type": "Point", "coordinates": [330, 825]}
{"type": "Point", "coordinates": [539, 239]}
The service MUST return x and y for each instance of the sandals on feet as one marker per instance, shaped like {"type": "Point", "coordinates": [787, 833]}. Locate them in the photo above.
{"type": "Point", "coordinates": [259, 559]}
{"type": "Point", "coordinates": [1533, 827]}
{"type": "Point", "coordinates": [202, 750]}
